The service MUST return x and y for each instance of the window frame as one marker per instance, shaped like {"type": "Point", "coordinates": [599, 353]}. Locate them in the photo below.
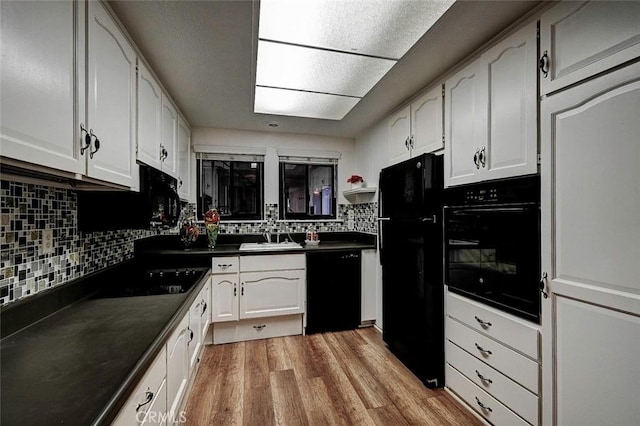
{"type": "Point", "coordinates": [283, 214]}
{"type": "Point", "coordinates": [259, 193]}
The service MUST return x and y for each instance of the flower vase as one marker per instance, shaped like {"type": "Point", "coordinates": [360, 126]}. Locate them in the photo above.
{"type": "Point", "coordinates": [212, 234]}
{"type": "Point", "coordinates": [355, 185]}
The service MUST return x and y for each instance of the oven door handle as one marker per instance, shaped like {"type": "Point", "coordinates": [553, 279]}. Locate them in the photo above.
{"type": "Point", "coordinates": [490, 210]}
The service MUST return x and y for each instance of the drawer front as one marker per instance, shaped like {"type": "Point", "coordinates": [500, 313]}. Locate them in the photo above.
{"type": "Point", "coordinates": [507, 329]}
{"type": "Point", "coordinates": [276, 262]}
{"type": "Point", "coordinates": [518, 399]}
{"type": "Point", "coordinates": [512, 364]}
{"type": "Point", "coordinates": [258, 328]}
{"type": "Point", "coordinates": [154, 382]}
{"type": "Point", "coordinates": [493, 411]}
{"type": "Point", "coordinates": [225, 265]}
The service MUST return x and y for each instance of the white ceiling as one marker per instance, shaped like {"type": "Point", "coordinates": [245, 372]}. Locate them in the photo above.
{"type": "Point", "coordinates": [204, 52]}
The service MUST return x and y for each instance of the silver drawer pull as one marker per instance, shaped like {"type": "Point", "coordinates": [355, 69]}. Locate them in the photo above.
{"type": "Point", "coordinates": [481, 349]}
{"type": "Point", "coordinates": [225, 266]}
{"type": "Point", "coordinates": [484, 379]}
{"type": "Point", "coordinates": [484, 324]}
{"type": "Point", "coordinates": [259, 327]}
{"type": "Point", "coordinates": [484, 407]}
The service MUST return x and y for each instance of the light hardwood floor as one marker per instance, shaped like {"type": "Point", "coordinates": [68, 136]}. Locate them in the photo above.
{"type": "Point", "coordinates": [343, 378]}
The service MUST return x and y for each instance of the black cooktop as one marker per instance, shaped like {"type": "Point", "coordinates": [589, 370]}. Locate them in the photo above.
{"type": "Point", "coordinates": [152, 282]}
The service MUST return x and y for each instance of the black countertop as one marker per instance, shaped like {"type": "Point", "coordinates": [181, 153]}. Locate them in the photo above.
{"type": "Point", "coordinates": [78, 365]}
{"type": "Point", "coordinates": [68, 357]}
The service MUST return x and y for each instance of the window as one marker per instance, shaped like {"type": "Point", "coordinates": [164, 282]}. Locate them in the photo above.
{"type": "Point", "coordinates": [233, 187]}
{"type": "Point", "coordinates": [307, 191]}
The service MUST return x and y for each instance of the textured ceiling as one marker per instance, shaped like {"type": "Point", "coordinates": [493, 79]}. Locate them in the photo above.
{"type": "Point", "coordinates": [204, 53]}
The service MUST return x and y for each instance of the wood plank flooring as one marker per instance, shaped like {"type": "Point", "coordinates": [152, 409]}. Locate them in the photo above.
{"type": "Point", "coordinates": [344, 378]}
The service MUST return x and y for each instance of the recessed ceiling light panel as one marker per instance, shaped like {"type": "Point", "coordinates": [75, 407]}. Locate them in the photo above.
{"type": "Point", "coordinates": [316, 70]}
{"type": "Point", "coordinates": [302, 104]}
{"type": "Point", "coordinates": [383, 28]}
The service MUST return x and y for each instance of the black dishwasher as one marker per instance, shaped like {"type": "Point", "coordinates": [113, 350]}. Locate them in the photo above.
{"type": "Point", "coordinates": [333, 291]}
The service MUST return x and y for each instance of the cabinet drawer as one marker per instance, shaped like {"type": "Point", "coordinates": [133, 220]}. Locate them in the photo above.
{"type": "Point", "coordinates": [154, 382]}
{"type": "Point", "coordinates": [225, 265]}
{"type": "Point", "coordinates": [494, 411]}
{"type": "Point", "coordinates": [274, 262]}
{"type": "Point", "coordinates": [512, 364]}
{"type": "Point", "coordinates": [258, 328]}
{"type": "Point", "coordinates": [509, 330]}
{"type": "Point", "coordinates": [505, 390]}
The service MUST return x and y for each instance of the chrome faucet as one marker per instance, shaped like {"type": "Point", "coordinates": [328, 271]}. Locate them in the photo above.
{"type": "Point", "coordinates": [267, 236]}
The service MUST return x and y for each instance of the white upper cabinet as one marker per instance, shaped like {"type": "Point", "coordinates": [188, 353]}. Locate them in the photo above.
{"type": "Point", "coordinates": [184, 160]}
{"type": "Point", "coordinates": [426, 122]}
{"type": "Point", "coordinates": [169, 137]}
{"type": "Point", "coordinates": [417, 128]}
{"type": "Point", "coordinates": [399, 127]}
{"type": "Point", "coordinates": [111, 100]}
{"type": "Point", "coordinates": [581, 39]}
{"type": "Point", "coordinates": [491, 113]}
{"type": "Point", "coordinates": [38, 58]}
{"type": "Point", "coordinates": [462, 130]}
{"type": "Point", "coordinates": [149, 117]}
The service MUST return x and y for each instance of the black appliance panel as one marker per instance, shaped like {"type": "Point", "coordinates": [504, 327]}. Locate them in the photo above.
{"type": "Point", "coordinates": [413, 313]}
{"type": "Point", "coordinates": [411, 189]}
{"type": "Point", "coordinates": [333, 291]}
{"type": "Point", "coordinates": [492, 245]}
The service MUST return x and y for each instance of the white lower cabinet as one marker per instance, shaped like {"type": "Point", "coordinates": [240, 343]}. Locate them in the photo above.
{"type": "Point", "coordinates": [160, 396]}
{"type": "Point", "coordinates": [492, 362]}
{"type": "Point", "coordinates": [148, 402]}
{"type": "Point", "coordinates": [254, 297]}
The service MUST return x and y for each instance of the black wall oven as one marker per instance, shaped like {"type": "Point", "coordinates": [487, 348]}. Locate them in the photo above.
{"type": "Point", "coordinates": [492, 244]}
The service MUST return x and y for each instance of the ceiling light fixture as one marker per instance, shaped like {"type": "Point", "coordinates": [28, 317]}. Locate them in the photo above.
{"type": "Point", "coordinates": [318, 58]}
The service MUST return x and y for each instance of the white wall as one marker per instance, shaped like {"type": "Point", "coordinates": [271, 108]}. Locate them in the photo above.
{"type": "Point", "coordinates": [373, 155]}
{"type": "Point", "coordinates": [273, 141]}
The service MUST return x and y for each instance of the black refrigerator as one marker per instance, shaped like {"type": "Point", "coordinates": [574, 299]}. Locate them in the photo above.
{"type": "Point", "coordinates": [411, 250]}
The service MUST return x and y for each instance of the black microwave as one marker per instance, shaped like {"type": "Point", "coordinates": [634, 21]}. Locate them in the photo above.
{"type": "Point", "coordinates": [492, 244]}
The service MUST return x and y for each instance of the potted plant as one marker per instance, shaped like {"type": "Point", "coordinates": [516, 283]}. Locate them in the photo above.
{"type": "Point", "coordinates": [356, 181]}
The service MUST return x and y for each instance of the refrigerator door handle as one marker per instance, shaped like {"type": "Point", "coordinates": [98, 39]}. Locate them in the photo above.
{"type": "Point", "coordinates": [431, 219]}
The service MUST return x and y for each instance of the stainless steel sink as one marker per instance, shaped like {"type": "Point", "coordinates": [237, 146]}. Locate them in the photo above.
{"type": "Point", "coordinates": [289, 245]}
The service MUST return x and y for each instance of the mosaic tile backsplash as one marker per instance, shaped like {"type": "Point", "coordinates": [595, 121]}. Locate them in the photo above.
{"type": "Point", "coordinates": [41, 247]}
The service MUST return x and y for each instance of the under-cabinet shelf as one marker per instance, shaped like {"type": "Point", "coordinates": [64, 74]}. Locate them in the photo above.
{"type": "Point", "coordinates": [363, 194]}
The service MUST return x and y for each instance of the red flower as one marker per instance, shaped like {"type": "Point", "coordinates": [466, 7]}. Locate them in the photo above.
{"type": "Point", "coordinates": [355, 179]}
{"type": "Point", "coordinates": [212, 216]}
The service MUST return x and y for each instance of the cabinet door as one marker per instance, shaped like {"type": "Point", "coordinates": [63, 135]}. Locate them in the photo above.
{"type": "Point", "coordinates": [194, 337]}
{"type": "Point", "coordinates": [224, 297]}
{"type": "Point", "coordinates": [110, 100]}
{"type": "Point", "coordinates": [169, 137]}
{"type": "Point", "coordinates": [510, 71]}
{"type": "Point", "coordinates": [590, 251]}
{"type": "Point", "coordinates": [272, 293]}
{"type": "Point", "coordinates": [38, 79]}
{"type": "Point", "coordinates": [582, 39]}
{"type": "Point", "coordinates": [399, 128]}
{"type": "Point", "coordinates": [463, 121]}
{"type": "Point", "coordinates": [205, 312]}
{"type": "Point", "coordinates": [177, 366]}
{"type": "Point", "coordinates": [426, 122]}
{"type": "Point", "coordinates": [149, 117]}
{"type": "Point", "coordinates": [184, 160]}
{"type": "Point", "coordinates": [369, 282]}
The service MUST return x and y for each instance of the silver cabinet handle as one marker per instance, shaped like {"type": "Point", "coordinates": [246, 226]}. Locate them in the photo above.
{"type": "Point", "coordinates": [475, 158]}
{"type": "Point", "coordinates": [235, 289]}
{"type": "Point", "coordinates": [484, 379]}
{"type": "Point", "coordinates": [481, 349]}
{"type": "Point", "coordinates": [544, 64]}
{"type": "Point", "coordinates": [259, 327]}
{"type": "Point", "coordinates": [484, 324]}
{"type": "Point", "coordinates": [148, 397]}
{"type": "Point", "coordinates": [482, 157]}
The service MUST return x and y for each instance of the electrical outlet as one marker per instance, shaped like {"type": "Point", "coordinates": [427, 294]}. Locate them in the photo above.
{"type": "Point", "coordinates": [47, 241]}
